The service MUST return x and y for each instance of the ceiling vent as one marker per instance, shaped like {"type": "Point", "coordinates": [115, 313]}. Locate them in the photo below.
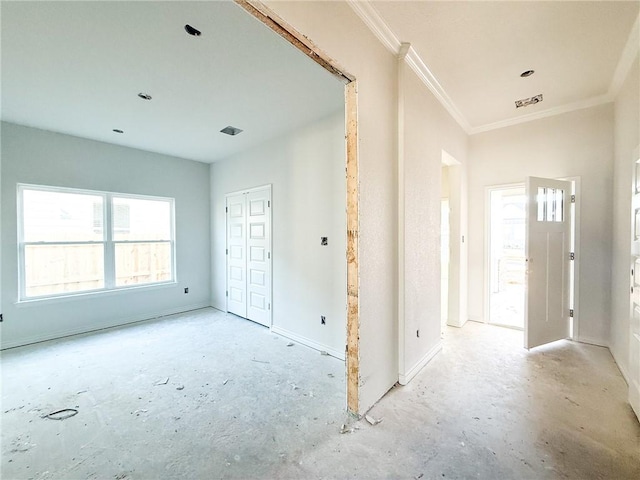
{"type": "Point", "coordinates": [231, 130]}
{"type": "Point", "coordinates": [525, 102]}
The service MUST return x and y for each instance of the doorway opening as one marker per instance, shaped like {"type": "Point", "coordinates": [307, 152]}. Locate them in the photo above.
{"type": "Point", "coordinates": [453, 225]}
{"type": "Point", "coordinates": [520, 271]}
{"type": "Point", "coordinates": [506, 259]}
{"type": "Point", "coordinates": [303, 44]}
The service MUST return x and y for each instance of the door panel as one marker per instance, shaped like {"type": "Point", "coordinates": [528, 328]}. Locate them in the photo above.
{"type": "Point", "coordinates": [249, 255]}
{"type": "Point", "coordinates": [634, 332]}
{"type": "Point", "coordinates": [236, 255]}
{"type": "Point", "coordinates": [259, 263]}
{"type": "Point", "coordinates": [548, 261]}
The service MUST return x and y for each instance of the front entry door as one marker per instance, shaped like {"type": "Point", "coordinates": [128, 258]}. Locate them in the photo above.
{"type": "Point", "coordinates": [634, 333]}
{"type": "Point", "coordinates": [548, 259]}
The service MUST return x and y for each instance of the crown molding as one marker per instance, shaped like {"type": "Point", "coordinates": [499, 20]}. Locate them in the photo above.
{"type": "Point", "coordinates": [626, 60]}
{"type": "Point", "coordinates": [372, 19]}
{"type": "Point", "coordinates": [551, 112]}
{"type": "Point", "coordinates": [422, 71]}
{"type": "Point", "coordinates": [370, 16]}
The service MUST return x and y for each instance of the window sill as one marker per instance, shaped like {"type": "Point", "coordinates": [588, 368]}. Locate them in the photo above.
{"type": "Point", "coordinates": [31, 302]}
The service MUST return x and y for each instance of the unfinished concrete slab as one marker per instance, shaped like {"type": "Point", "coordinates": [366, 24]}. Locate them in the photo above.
{"type": "Point", "coordinates": [209, 395]}
{"type": "Point", "coordinates": [198, 395]}
{"type": "Point", "coordinates": [487, 408]}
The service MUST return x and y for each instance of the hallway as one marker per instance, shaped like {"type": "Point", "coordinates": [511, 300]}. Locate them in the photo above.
{"type": "Point", "coordinates": [486, 408]}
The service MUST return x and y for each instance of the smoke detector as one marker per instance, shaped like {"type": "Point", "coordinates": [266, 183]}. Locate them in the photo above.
{"type": "Point", "coordinates": [529, 101]}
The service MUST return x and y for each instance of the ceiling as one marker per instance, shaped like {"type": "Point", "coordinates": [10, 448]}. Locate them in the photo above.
{"type": "Point", "coordinates": [78, 67]}
{"type": "Point", "coordinates": [476, 50]}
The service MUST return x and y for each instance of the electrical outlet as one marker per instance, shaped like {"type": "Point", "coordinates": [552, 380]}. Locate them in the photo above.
{"type": "Point", "coordinates": [186, 289]}
{"type": "Point", "coordinates": [324, 241]}
{"type": "Point", "coordinates": [323, 320]}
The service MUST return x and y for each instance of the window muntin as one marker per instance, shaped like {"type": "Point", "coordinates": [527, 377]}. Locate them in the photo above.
{"type": "Point", "coordinates": [74, 241]}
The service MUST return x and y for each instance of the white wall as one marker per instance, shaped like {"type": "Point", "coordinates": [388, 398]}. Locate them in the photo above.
{"type": "Point", "coordinates": [307, 172]}
{"type": "Point", "coordinates": [45, 158]}
{"type": "Point", "coordinates": [444, 182]}
{"type": "Point", "coordinates": [626, 139]}
{"type": "Point", "coordinates": [336, 29]}
{"type": "Point", "coordinates": [579, 143]}
{"type": "Point", "coordinates": [427, 130]}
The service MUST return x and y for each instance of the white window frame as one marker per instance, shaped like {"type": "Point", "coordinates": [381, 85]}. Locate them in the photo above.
{"type": "Point", "coordinates": [108, 242]}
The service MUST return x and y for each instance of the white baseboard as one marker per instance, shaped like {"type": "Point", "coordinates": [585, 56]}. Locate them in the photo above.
{"type": "Point", "coordinates": [458, 324]}
{"type": "Point", "coordinates": [20, 342]}
{"type": "Point", "coordinates": [405, 378]}
{"type": "Point", "coordinates": [634, 398]}
{"type": "Point", "coordinates": [592, 341]}
{"type": "Point", "coordinates": [621, 366]}
{"type": "Point", "coordinates": [308, 342]}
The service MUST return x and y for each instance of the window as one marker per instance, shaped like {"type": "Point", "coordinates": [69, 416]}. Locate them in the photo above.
{"type": "Point", "coordinates": [550, 204]}
{"type": "Point", "coordinates": [142, 240]}
{"type": "Point", "coordinates": [75, 241]}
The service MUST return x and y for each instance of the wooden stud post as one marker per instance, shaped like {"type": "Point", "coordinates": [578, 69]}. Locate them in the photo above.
{"type": "Point", "coordinates": [353, 225]}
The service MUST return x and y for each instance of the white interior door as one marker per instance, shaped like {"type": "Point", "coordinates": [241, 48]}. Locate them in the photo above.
{"type": "Point", "coordinates": [259, 256]}
{"type": "Point", "coordinates": [548, 259]}
{"type": "Point", "coordinates": [249, 254]}
{"type": "Point", "coordinates": [634, 340]}
{"type": "Point", "coordinates": [237, 254]}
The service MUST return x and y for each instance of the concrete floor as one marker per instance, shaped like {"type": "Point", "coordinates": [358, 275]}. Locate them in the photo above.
{"type": "Point", "coordinates": [506, 307]}
{"type": "Point", "coordinates": [240, 403]}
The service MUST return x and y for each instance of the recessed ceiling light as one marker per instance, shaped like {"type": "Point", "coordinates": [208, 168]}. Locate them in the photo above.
{"type": "Point", "coordinates": [527, 73]}
{"type": "Point", "coordinates": [192, 31]}
{"type": "Point", "coordinates": [117, 130]}
{"type": "Point", "coordinates": [529, 101]}
{"type": "Point", "coordinates": [145, 96]}
{"type": "Point", "coordinates": [231, 130]}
